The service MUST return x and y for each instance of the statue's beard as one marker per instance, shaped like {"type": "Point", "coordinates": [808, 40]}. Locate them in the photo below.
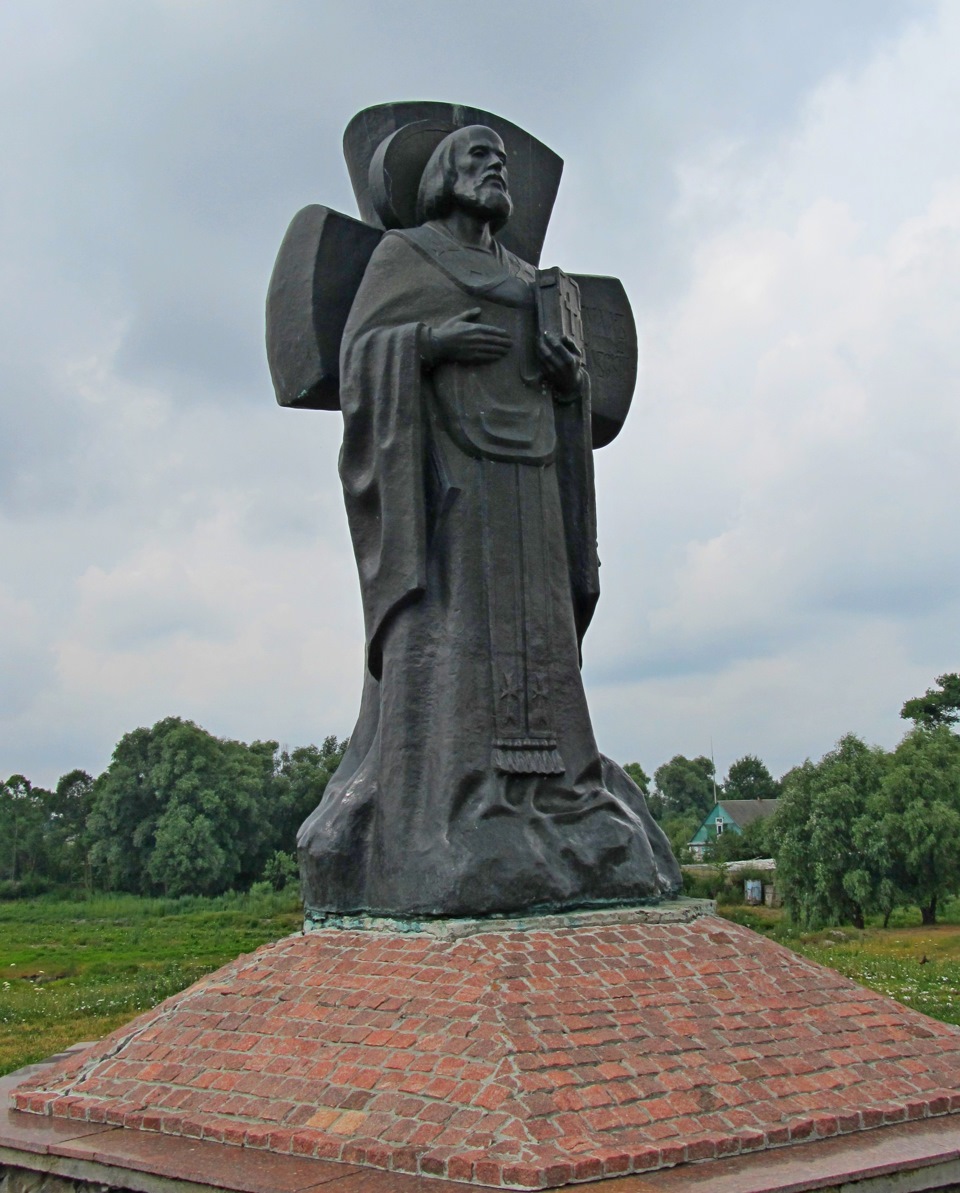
{"type": "Point", "coordinates": [491, 202]}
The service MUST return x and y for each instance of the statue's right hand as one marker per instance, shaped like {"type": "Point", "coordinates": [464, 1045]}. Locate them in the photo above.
{"type": "Point", "coordinates": [465, 341]}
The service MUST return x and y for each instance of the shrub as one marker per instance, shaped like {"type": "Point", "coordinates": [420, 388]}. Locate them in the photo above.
{"type": "Point", "coordinates": [703, 885]}
{"type": "Point", "coordinates": [281, 870]}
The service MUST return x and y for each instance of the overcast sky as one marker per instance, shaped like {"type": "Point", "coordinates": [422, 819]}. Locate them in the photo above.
{"type": "Point", "coordinates": [777, 182]}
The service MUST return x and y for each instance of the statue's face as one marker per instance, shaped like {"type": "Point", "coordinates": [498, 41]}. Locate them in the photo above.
{"type": "Point", "coordinates": [481, 165]}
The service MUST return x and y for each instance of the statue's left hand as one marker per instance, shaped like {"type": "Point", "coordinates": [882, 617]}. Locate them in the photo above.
{"type": "Point", "coordinates": [561, 361]}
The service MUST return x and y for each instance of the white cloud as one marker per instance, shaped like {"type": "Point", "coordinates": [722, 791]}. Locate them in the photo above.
{"type": "Point", "coordinates": [776, 516]}
{"type": "Point", "coordinates": [802, 428]}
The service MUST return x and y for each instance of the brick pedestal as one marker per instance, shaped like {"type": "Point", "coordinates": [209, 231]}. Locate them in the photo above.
{"type": "Point", "coordinates": [524, 1054]}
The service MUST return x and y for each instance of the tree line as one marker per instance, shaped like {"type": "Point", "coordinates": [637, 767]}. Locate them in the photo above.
{"type": "Point", "coordinates": [178, 811]}
{"type": "Point", "coordinates": [684, 790]}
{"type": "Point", "coordinates": [858, 833]}
{"type": "Point", "coordinates": [863, 830]}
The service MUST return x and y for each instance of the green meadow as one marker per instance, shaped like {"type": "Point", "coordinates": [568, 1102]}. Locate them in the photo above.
{"type": "Point", "coordinates": [918, 966]}
{"type": "Point", "coordinates": [75, 970]}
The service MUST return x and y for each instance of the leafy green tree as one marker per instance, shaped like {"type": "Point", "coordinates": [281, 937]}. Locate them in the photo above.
{"type": "Point", "coordinates": [916, 818]}
{"type": "Point", "coordinates": [23, 817]}
{"type": "Point", "coordinates": [871, 881]}
{"type": "Point", "coordinates": [639, 776]}
{"type": "Point", "coordinates": [732, 846]}
{"type": "Point", "coordinates": [642, 779]}
{"type": "Point", "coordinates": [937, 706]}
{"type": "Point", "coordinates": [686, 785]}
{"type": "Point", "coordinates": [126, 806]}
{"type": "Point", "coordinates": [182, 811]}
{"type": "Point", "coordinates": [824, 876]}
{"type": "Point", "coordinates": [679, 830]}
{"type": "Point", "coordinates": [748, 778]}
{"type": "Point", "coordinates": [193, 800]}
{"type": "Point", "coordinates": [281, 870]}
{"type": "Point", "coordinates": [187, 858]}
{"type": "Point", "coordinates": [68, 807]}
{"type": "Point", "coordinates": [297, 782]}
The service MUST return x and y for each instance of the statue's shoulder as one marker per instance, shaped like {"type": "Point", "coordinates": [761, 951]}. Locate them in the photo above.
{"type": "Point", "coordinates": [405, 251]}
{"type": "Point", "coordinates": [473, 272]}
{"type": "Point", "coordinates": [393, 259]}
{"type": "Point", "coordinates": [425, 241]}
{"type": "Point", "coordinates": [429, 247]}
{"type": "Point", "coordinates": [421, 237]}
{"type": "Point", "coordinates": [393, 244]}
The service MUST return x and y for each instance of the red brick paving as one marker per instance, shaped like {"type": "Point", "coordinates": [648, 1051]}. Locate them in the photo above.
{"type": "Point", "coordinates": [519, 1058]}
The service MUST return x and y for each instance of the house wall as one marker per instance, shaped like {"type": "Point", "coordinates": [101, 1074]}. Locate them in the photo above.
{"type": "Point", "coordinates": [707, 832]}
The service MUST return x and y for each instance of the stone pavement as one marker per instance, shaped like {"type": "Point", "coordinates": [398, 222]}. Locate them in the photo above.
{"type": "Point", "coordinates": [525, 1057]}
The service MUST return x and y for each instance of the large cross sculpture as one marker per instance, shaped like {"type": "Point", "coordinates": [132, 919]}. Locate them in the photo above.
{"type": "Point", "coordinates": [473, 782]}
{"type": "Point", "coordinates": [324, 254]}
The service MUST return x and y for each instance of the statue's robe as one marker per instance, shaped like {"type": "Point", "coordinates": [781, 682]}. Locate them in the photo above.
{"type": "Point", "coordinates": [472, 783]}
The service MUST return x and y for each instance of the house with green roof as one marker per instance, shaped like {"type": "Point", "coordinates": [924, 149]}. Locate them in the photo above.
{"type": "Point", "coordinates": [729, 816]}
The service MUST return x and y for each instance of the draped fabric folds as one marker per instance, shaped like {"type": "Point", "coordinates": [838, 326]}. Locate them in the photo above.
{"type": "Point", "coordinates": [472, 783]}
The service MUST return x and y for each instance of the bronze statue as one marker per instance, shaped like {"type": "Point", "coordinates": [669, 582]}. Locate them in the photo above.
{"type": "Point", "coordinates": [474, 387]}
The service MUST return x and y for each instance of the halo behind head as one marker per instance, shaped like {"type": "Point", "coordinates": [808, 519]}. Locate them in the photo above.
{"type": "Point", "coordinates": [397, 167]}
{"type": "Point", "coordinates": [534, 169]}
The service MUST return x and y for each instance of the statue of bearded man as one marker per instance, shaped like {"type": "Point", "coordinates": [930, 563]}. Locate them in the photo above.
{"type": "Point", "coordinates": [472, 783]}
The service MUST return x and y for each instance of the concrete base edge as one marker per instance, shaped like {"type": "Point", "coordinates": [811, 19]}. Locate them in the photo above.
{"type": "Point", "coordinates": [25, 1172]}
{"type": "Point", "coordinates": [45, 1155]}
{"type": "Point", "coordinates": [682, 910]}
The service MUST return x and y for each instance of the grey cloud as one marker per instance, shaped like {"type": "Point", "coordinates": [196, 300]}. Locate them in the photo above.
{"type": "Point", "coordinates": [156, 153]}
{"type": "Point", "coordinates": [27, 670]}
{"type": "Point", "coordinates": [651, 659]}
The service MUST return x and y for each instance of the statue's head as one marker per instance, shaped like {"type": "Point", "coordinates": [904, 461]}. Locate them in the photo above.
{"type": "Point", "coordinates": [468, 169]}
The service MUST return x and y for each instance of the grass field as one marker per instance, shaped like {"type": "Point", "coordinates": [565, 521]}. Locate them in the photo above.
{"type": "Point", "coordinates": [917, 966]}
{"type": "Point", "coordinates": [74, 971]}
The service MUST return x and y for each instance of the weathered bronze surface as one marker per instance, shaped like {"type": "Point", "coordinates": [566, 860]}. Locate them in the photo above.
{"type": "Point", "coordinates": [474, 387]}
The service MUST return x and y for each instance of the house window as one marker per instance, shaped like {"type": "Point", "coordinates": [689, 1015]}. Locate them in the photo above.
{"type": "Point", "coordinates": [719, 826]}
